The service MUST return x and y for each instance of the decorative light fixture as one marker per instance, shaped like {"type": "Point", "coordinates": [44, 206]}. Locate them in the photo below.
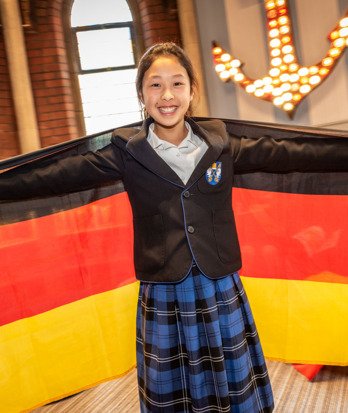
{"type": "Point", "coordinates": [287, 82]}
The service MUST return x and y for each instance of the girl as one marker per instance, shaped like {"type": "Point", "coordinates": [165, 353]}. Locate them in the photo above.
{"type": "Point", "coordinates": [197, 345]}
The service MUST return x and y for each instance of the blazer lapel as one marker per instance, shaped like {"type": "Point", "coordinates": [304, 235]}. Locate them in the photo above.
{"type": "Point", "coordinates": [214, 138]}
{"type": "Point", "coordinates": [142, 151]}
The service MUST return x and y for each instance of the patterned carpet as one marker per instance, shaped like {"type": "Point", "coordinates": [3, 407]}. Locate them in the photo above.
{"type": "Point", "coordinates": [327, 393]}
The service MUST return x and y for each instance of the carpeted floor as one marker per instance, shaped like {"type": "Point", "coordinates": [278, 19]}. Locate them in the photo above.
{"type": "Point", "coordinates": [327, 393]}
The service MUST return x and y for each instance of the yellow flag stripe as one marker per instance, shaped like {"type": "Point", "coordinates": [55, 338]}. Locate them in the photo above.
{"type": "Point", "coordinates": [67, 349]}
{"type": "Point", "coordinates": [300, 321]}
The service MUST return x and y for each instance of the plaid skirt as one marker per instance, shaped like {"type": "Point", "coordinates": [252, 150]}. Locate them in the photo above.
{"type": "Point", "coordinates": [198, 349]}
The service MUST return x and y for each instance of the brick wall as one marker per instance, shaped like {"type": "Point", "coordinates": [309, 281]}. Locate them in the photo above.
{"type": "Point", "coordinates": [52, 77]}
{"type": "Point", "coordinates": [159, 20]}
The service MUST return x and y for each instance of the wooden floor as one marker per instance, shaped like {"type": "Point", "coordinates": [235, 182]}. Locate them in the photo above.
{"type": "Point", "coordinates": [328, 393]}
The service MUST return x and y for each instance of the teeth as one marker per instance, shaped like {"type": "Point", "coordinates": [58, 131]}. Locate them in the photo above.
{"type": "Point", "coordinates": [167, 109]}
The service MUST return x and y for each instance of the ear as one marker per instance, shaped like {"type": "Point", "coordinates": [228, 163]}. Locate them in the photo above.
{"type": "Point", "coordinates": [192, 95]}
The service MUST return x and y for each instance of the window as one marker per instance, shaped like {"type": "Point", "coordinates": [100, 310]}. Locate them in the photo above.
{"type": "Point", "coordinates": [104, 37]}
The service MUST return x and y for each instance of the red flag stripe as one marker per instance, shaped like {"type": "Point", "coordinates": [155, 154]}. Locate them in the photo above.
{"type": "Point", "coordinates": [57, 259]}
{"type": "Point", "coordinates": [292, 236]}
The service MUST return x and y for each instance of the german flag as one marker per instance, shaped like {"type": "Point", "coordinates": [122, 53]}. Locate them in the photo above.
{"type": "Point", "coordinates": [68, 291]}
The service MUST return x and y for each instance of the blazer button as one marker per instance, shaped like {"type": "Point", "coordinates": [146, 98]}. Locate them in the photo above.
{"type": "Point", "coordinates": [190, 229]}
{"type": "Point", "coordinates": [186, 194]}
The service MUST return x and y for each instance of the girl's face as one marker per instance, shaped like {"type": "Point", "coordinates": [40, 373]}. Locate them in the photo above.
{"type": "Point", "coordinates": [166, 94]}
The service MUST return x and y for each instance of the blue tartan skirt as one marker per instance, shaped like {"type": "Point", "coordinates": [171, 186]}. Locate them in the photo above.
{"type": "Point", "coordinates": [198, 349]}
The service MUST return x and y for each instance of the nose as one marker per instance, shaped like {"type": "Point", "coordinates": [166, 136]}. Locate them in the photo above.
{"type": "Point", "coordinates": [167, 95]}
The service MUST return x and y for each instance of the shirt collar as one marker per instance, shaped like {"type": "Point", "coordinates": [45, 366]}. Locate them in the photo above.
{"type": "Point", "coordinates": [156, 142]}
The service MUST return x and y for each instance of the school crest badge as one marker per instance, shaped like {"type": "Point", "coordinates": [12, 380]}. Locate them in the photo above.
{"type": "Point", "coordinates": [213, 174]}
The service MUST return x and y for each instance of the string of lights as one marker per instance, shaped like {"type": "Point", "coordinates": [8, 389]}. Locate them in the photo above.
{"type": "Point", "coordinates": [287, 81]}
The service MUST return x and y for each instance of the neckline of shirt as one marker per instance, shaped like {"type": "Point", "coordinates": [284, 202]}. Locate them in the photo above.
{"type": "Point", "coordinates": [158, 143]}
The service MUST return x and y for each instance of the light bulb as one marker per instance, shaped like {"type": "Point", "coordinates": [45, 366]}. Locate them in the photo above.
{"type": "Point", "coordinates": [220, 67]}
{"type": "Point", "coordinates": [285, 87]}
{"type": "Point", "coordinates": [303, 71]}
{"type": "Point", "coordinates": [235, 63]}
{"type": "Point", "coordinates": [295, 87]}
{"type": "Point", "coordinates": [294, 77]}
{"type": "Point", "coordinates": [273, 33]}
{"type": "Point", "coordinates": [284, 77]}
{"type": "Point", "coordinates": [274, 43]}
{"type": "Point", "coordinates": [224, 75]}
{"type": "Point", "coordinates": [284, 29]}
{"type": "Point", "coordinates": [282, 20]}
{"type": "Point", "coordinates": [314, 80]}
{"type": "Point", "coordinates": [288, 106]}
{"type": "Point", "coordinates": [287, 97]}
{"type": "Point", "coordinates": [274, 72]}
{"type": "Point", "coordinates": [339, 42]}
{"type": "Point", "coordinates": [239, 77]}
{"type": "Point", "coordinates": [278, 101]}
{"type": "Point", "coordinates": [277, 61]}
{"type": "Point", "coordinates": [286, 39]}
{"type": "Point", "coordinates": [225, 57]}
{"type": "Point", "coordinates": [313, 70]}
{"type": "Point", "coordinates": [287, 49]}
{"type": "Point", "coordinates": [275, 52]}
{"type": "Point", "coordinates": [343, 32]}
{"type": "Point", "coordinates": [250, 88]}
{"type": "Point", "coordinates": [293, 67]}
{"type": "Point", "coordinates": [327, 61]}
{"type": "Point", "coordinates": [270, 5]}
{"type": "Point", "coordinates": [334, 35]}
{"type": "Point", "coordinates": [267, 80]}
{"type": "Point", "coordinates": [305, 89]}
{"type": "Point", "coordinates": [277, 91]}
{"type": "Point", "coordinates": [258, 93]}
{"type": "Point", "coordinates": [288, 58]}
{"type": "Point", "coordinates": [323, 71]}
{"type": "Point", "coordinates": [217, 50]}
{"type": "Point", "coordinates": [334, 52]}
{"type": "Point", "coordinates": [268, 88]}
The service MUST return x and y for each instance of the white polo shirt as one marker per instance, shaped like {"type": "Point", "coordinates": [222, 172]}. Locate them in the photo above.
{"type": "Point", "coordinates": [183, 158]}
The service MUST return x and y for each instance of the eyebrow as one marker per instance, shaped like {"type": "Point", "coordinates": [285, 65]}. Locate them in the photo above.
{"type": "Point", "coordinates": [159, 77]}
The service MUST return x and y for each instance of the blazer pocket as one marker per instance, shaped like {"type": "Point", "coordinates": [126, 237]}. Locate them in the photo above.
{"type": "Point", "coordinates": [225, 235]}
{"type": "Point", "coordinates": [149, 243]}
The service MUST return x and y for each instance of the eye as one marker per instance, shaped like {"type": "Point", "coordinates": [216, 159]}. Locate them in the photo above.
{"type": "Point", "coordinates": [155, 85]}
{"type": "Point", "coordinates": [178, 83]}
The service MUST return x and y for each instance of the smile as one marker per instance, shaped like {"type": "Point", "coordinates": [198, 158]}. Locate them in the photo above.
{"type": "Point", "coordinates": [167, 109]}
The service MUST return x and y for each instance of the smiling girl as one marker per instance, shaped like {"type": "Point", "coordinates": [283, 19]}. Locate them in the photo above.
{"type": "Point", "coordinates": [197, 345]}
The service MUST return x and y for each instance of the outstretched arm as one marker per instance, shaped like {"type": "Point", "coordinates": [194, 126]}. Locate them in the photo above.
{"type": "Point", "coordinates": [301, 154]}
{"type": "Point", "coordinates": [75, 172]}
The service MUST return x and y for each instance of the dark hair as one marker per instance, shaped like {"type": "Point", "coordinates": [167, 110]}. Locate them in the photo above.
{"type": "Point", "coordinates": [165, 49]}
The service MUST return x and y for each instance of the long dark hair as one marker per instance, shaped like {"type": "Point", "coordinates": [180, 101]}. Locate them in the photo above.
{"type": "Point", "coordinates": [165, 49]}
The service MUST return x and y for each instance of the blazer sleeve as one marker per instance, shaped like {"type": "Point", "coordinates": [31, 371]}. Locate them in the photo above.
{"type": "Point", "coordinates": [316, 154]}
{"type": "Point", "coordinates": [73, 173]}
